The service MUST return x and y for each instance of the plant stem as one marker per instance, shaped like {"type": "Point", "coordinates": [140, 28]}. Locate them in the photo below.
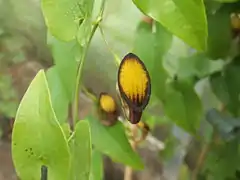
{"type": "Point", "coordinates": [81, 63]}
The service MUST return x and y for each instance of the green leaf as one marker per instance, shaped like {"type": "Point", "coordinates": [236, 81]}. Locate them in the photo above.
{"type": "Point", "coordinates": [113, 142]}
{"type": "Point", "coordinates": [65, 58]}
{"type": "Point", "coordinates": [150, 47]}
{"type": "Point", "coordinates": [185, 19]}
{"type": "Point", "coordinates": [183, 105]}
{"type": "Point", "coordinates": [37, 137]}
{"type": "Point", "coordinates": [197, 65]}
{"type": "Point", "coordinates": [96, 166]}
{"type": "Point", "coordinates": [219, 87]}
{"type": "Point", "coordinates": [63, 17]}
{"type": "Point", "coordinates": [59, 97]}
{"type": "Point", "coordinates": [226, 86]}
{"type": "Point", "coordinates": [218, 24]}
{"type": "Point", "coordinates": [82, 152]}
{"type": "Point", "coordinates": [223, 161]}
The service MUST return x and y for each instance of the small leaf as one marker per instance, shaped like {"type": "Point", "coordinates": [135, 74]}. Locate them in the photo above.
{"type": "Point", "coordinates": [63, 16]}
{"type": "Point", "coordinates": [59, 97]}
{"type": "Point", "coordinates": [183, 105]}
{"type": "Point", "coordinates": [113, 142]}
{"type": "Point", "coordinates": [96, 166]}
{"type": "Point", "coordinates": [82, 152]}
{"type": "Point", "coordinates": [37, 137]}
{"type": "Point", "coordinates": [185, 19]}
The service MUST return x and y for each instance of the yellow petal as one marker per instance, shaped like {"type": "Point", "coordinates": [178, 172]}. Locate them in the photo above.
{"type": "Point", "coordinates": [134, 81]}
{"type": "Point", "coordinates": [107, 103]}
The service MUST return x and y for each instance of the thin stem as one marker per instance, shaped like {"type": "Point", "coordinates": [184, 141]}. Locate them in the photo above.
{"type": "Point", "coordinates": [80, 66]}
{"type": "Point", "coordinates": [116, 58]}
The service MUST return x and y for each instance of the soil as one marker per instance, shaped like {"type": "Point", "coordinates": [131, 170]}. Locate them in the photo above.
{"type": "Point", "coordinates": [7, 171]}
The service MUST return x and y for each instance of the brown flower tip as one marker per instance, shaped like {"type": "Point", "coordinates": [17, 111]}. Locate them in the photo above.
{"type": "Point", "coordinates": [134, 85]}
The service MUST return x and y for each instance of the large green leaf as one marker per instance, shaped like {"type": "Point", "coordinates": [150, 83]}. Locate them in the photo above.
{"type": "Point", "coordinates": [59, 97]}
{"type": "Point", "coordinates": [183, 105]}
{"type": "Point", "coordinates": [37, 137]}
{"type": "Point", "coordinates": [150, 47]}
{"type": "Point", "coordinates": [113, 142]}
{"type": "Point", "coordinates": [81, 151]}
{"type": "Point", "coordinates": [186, 19]}
{"type": "Point", "coordinates": [219, 24]}
{"type": "Point", "coordinates": [96, 166]}
{"type": "Point", "coordinates": [63, 17]}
